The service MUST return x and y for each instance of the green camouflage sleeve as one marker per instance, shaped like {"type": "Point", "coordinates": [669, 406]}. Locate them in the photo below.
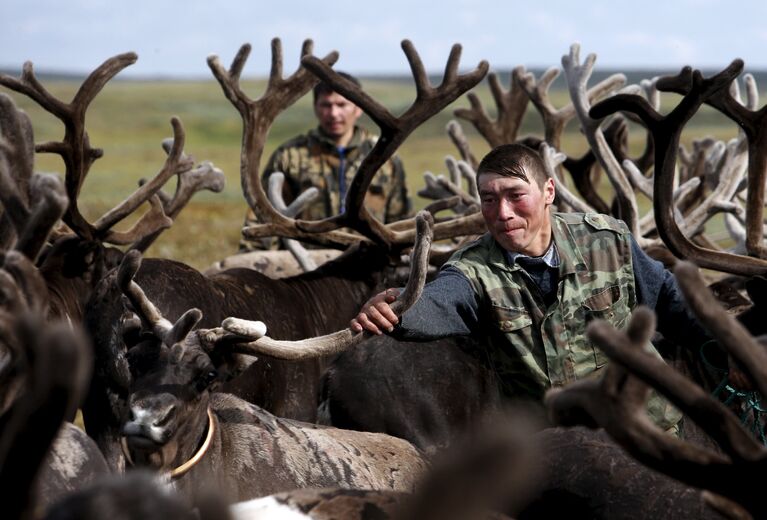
{"type": "Point", "coordinates": [275, 164]}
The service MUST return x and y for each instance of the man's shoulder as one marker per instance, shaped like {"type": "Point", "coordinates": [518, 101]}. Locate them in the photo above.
{"type": "Point", "coordinates": [363, 135]}
{"type": "Point", "coordinates": [475, 252]}
{"type": "Point", "coordinates": [594, 221]}
{"type": "Point", "coordinates": [299, 141]}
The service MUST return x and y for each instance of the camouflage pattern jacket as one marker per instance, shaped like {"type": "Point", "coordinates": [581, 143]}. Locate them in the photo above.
{"type": "Point", "coordinates": [532, 346]}
{"type": "Point", "coordinates": [313, 160]}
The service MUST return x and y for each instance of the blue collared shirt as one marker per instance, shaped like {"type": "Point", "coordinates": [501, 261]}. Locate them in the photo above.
{"type": "Point", "coordinates": [543, 270]}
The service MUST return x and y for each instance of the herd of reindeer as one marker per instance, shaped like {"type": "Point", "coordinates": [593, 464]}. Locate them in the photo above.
{"type": "Point", "coordinates": [190, 410]}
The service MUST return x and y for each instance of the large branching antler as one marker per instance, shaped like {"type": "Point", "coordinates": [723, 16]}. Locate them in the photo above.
{"type": "Point", "coordinates": [728, 173]}
{"type": "Point", "coordinates": [510, 105]}
{"type": "Point", "coordinates": [257, 117]}
{"type": "Point", "coordinates": [555, 120]}
{"type": "Point", "coordinates": [578, 75]}
{"type": "Point", "coordinates": [617, 401]}
{"type": "Point", "coordinates": [248, 336]}
{"type": "Point", "coordinates": [394, 130]}
{"type": "Point", "coordinates": [79, 156]}
{"type": "Point", "coordinates": [204, 176]}
{"type": "Point", "coordinates": [752, 122]}
{"type": "Point", "coordinates": [458, 137]}
{"type": "Point", "coordinates": [666, 132]}
{"type": "Point", "coordinates": [17, 156]}
{"type": "Point", "coordinates": [429, 101]}
{"type": "Point", "coordinates": [441, 187]}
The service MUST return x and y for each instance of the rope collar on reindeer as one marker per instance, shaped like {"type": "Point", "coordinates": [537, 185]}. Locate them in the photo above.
{"type": "Point", "coordinates": [186, 466]}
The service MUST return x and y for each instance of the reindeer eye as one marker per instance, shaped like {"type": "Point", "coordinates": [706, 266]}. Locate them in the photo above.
{"type": "Point", "coordinates": [206, 379]}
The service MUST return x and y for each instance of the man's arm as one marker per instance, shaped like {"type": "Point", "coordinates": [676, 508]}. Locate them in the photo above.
{"type": "Point", "coordinates": [657, 289]}
{"type": "Point", "coordinates": [447, 307]}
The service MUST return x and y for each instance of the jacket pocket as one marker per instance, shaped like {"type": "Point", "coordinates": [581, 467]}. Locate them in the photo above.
{"type": "Point", "coordinates": [608, 304]}
{"type": "Point", "coordinates": [603, 305]}
{"type": "Point", "coordinates": [509, 319]}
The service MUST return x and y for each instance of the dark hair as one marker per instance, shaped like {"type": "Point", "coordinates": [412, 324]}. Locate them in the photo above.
{"type": "Point", "coordinates": [322, 88]}
{"type": "Point", "coordinates": [514, 160]}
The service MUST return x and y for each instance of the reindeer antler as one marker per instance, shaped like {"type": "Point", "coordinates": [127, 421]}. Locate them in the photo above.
{"type": "Point", "coordinates": [236, 332]}
{"type": "Point", "coordinates": [32, 203]}
{"type": "Point", "coordinates": [258, 115]}
{"type": "Point", "coordinates": [510, 104]}
{"type": "Point", "coordinates": [455, 132]}
{"type": "Point", "coordinates": [555, 120]}
{"type": "Point", "coordinates": [577, 75]}
{"type": "Point", "coordinates": [617, 401]}
{"type": "Point", "coordinates": [666, 132]}
{"type": "Point", "coordinates": [78, 155]}
{"type": "Point", "coordinates": [394, 130]}
{"type": "Point", "coordinates": [752, 122]}
{"type": "Point", "coordinates": [204, 176]}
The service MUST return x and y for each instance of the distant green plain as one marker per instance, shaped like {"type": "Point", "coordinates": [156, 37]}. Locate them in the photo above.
{"type": "Point", "coordinates": [129, 119]}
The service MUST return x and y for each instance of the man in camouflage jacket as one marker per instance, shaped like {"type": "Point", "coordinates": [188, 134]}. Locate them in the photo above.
{"type": "Point", "coordinates": [533, 282]}
{"type": "Point", "coordinates": [327, 158]}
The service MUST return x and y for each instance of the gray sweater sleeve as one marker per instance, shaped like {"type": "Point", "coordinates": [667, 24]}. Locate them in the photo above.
{"type": "Point", "coordinates": [447, 307]}
{"type": "Point", "coordinates": [657, 289]}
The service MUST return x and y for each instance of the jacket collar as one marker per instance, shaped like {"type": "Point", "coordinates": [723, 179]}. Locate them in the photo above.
{"type": "Point", "coordinates": [358, 136]}
{"type": "Point", "coordinates": [570, 258]}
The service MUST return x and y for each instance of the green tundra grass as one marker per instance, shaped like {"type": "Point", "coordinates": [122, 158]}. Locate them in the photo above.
{"type": "Point", "coordinates": [129, 119]}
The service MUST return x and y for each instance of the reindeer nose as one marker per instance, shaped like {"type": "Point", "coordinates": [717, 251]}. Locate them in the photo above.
{"type": "Point", "coordinates": [150, 419]}
{"type": "Point", "coordinates": [130, 428]}
{"type": "Point", "coordinates": [164, 417]}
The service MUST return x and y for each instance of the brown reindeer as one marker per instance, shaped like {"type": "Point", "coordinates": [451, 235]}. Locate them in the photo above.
{"type": "Point", "coordinates": [177, 426]}
{"type": "Point", "coordinates": [72, 263]}
{"type": "Point", "coordinates": [315, 303]}
{"type": "Point", "coordinates": [50, 457]}
{"type": "Point", "coordinates": [615, 403]}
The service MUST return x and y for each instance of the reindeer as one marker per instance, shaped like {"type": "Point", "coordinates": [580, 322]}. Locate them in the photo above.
{"type": "Point", "coordinates": [201, 438]}
{"type": "Point", "coordinates": [50, 457]}
{"type": "Point", "coordinates": [57, 368]}
{"type": "Point", "coordinates": [73, 262]}
{"type": "Point", "coordinates": [615, 400]}
{"type": "Point", "coordinates": [437, 389]}
{"type": "Point", "coordinates": [351, 381]}
{"type": "Point", "coordinates": [312, 304]}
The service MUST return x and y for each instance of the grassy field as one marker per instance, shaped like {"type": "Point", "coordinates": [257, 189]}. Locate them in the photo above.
{"type": "Point", "coordinates": [129, 119]}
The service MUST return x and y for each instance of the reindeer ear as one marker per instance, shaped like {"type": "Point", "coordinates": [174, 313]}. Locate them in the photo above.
{"type": "Point", "coordinates": [176, 352]}
{"type": "Point", "coordinates": [183, 326]}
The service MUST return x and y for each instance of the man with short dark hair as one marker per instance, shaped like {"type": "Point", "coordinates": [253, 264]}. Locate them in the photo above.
{"type": "Point", "coordinates": [532, 283]}
{"type": "Point", "coordinates": [327, 158]}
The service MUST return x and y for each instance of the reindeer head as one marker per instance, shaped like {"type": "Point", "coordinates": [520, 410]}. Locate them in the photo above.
{"type": "Point", "coordinates": [167, 413]}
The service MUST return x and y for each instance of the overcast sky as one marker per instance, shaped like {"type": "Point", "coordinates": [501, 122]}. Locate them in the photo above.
{"type": "Point", "coordinates": [174, 38]}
